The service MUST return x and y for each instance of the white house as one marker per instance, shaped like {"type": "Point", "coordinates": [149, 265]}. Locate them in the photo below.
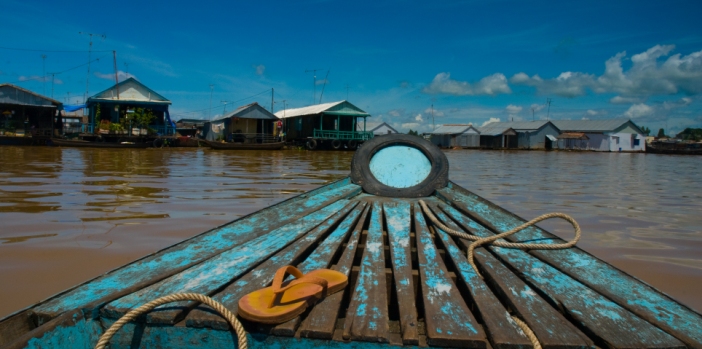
{"type": "Point", "coordinates": [455, 135]}
{"type": "Point", "coordinates": [605, 135]}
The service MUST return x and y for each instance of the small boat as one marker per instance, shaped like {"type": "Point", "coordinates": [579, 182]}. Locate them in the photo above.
{"type": "Point", "coordinates": [390, 227]}
{"type": "Point", "coordinates": [93, 144]}
{"type": "Point", "coordinates": [244, 146]}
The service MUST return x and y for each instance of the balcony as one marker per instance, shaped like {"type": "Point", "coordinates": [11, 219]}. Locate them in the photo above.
{"type": "Point", "coordinates": [343, 135]}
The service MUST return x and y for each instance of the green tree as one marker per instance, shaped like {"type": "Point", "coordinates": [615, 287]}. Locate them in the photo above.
{"type": "Point", "coordinates": [661, 133]}
{"type": "Point", "coordinates": [143, 117]}
{"type": "Point", "coordinates": [646, 130]}
{"type": "Point", "coordinates": [414, 133]}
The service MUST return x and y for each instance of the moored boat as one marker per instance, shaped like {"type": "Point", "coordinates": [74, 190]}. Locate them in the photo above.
{"type": "Point", "coordinates": [94, 144]}
{"type": "Point", "coordinates": [390, 228]}
{"type": "Point", "coordinates": [243, 146]}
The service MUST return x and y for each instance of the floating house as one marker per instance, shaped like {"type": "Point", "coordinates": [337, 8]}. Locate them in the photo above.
{"type": "Point", "coordinates": [189, 127]}
{"type": "Point", "coordinates": [606, 135]}
{"type": "Point", "coordinates": [330, 125]}
{"type": "Point", "coordinates": [497, 136]}
{"type": "Point", "coordinates": [572, 141]}
{"type": "Point", "coordinates": [455, 135]}
{"type": "Point", "coordinates": [539, 134]}
{"type": "Point", "coordinates": [25, 112]}
{"type": "Point", "coordinates": [117, 102]}
{"type": "Point", "coordinates": [250, 123]}
{"type": "Point", "coordinates": [378, 128]}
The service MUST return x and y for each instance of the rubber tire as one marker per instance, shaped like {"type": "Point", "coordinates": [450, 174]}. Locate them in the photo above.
{"type": "Point", "coordinates": [352, 144]}
{"type": "Point", "coordinates": [311, 144]}
{"type": "Point", "coordinates": [336, 144]}
{"type": "Point", "coordinates": [158, 143]}
{"type": "Point", "coordinates": [361, 174]}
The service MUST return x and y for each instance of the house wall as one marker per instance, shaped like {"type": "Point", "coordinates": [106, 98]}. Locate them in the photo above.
{"type": "Point", "coordinates": [536, 139]}
{"type": "Point", "coordinates": [611, 142]}
{"type": "Point", "coordinates": [627, 142]}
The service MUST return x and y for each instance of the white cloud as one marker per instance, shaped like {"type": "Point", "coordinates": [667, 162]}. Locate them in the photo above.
{"type": "Point", "coordinates": [35, 78]}
{"type": "Point", "coordinates": [537, 107]}
{"type": "Point", "coordinates": [638, 111]}
{"type": "Point", "coordinates": [418, 118]}
{"type": "Point", "coordinates": [624, 100]}
{"type": "Point", "coordinates": [490, 85]}
{"type": "Point", "coordinates": [260, 69]}
{"type": "Point", "coordinates": [394, 113]}
{"type": "Point", "coordinates": [121, 76]}
{"type": "Point", "coordinates": [490, 121]}
{"type": "Point", "coordinates": [436, 112]}
{"type": "Point", "coordinates": [513, 109]}
{"type": "Point", "coordinates": [410, 125]}
{"type": "Point", "coordinates": [649, 75]}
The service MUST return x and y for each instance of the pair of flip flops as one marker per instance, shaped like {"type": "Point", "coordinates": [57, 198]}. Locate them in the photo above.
{"type": "Point", "coordinates": [285, 300]}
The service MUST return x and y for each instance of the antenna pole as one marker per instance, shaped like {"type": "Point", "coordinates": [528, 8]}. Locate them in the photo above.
{"type": "Point", "coordinates": [314, 83]}
{"type": "Point", "coordinates": [43, 77]}
{"type": "Point", "coordinates": [114, 59]}
{"type": "Point", "coordinates": [532, 114]}
{"type": "Point", "coordinates": [90, 51]}
{"type": "Point", "coordinates": [272, 101]}
{"type": "Point", "coordinates": [209, 111]}
{"type": "Point", "coordinates": [224, 111]}
{"type": "Point", "coordinates": [548, 111]}
{"type": "Point", "coordinates": [323, 86]}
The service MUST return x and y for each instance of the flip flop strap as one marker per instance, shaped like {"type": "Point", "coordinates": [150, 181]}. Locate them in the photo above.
{"type": "Point", "coordinates": [300, 278]}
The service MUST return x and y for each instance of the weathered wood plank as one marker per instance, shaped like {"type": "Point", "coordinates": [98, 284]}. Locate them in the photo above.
{"type": "Point", "coordinates": [502, 331]}
{"type": "Point", "coordinates": [367, 315]}
{"type": "Point", "coordinates": [258, 278]}
{"type": "Point", "coordinates": [320, 258]}
{"type": "Point", "coordinates": [70, 330]}
{"type": "Point", "coordinates": [217, 271]}
{"type": "Point", "coordinates": [321, 320]}
{"type": "Point", "coordinates": [552, 329]}
{"type": "Point", "coordinates": [636, 296]}
{"type": "Point", "coordinates": [448, 320]}
{"type": "Point", "coordinates": [95, 293]}
{"type": "Point", "coordinates": [613, 325]}
{"type": "Point", "coordinates": [15, 326]}
{"type": "Point", "coordinates": [398, 219]}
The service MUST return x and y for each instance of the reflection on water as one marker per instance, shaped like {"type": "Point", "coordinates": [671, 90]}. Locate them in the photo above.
{"type": "Point", "coordinates": [68, 215]}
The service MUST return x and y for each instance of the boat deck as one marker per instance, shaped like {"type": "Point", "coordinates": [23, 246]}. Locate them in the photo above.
{"type": "Point", "coordinates": [409, 284]}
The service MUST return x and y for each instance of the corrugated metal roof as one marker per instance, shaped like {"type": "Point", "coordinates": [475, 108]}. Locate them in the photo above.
{"type": "Point", "coordinates": [589, 125]}
{"type": "Point", "coordinates": [525, 125]}
{"type": "Point", "coordinates": [452, 129]}
{"type": "Point", "coordinates": [573, 135]}
{"type": "Point", "coordinates": [262, 113]}
{"type": "Point", "coordinates": [315, 109]}
{"type": "Point", "coordinates": [372, 126]}
{"type": "Point", "coordinates": [30, 97]}
{"type": "Point", "coordinates": [494, 129]}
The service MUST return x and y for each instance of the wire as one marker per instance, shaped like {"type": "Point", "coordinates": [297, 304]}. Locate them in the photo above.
{"type": "Point", "coordinates": [56, 73]}
{"type": "Point", "coordinates": [243, 99]}
{"type": "Point", "coordinates": [33, 50]}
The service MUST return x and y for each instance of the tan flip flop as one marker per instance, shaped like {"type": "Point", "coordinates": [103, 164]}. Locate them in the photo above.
{"type": "Point", "coordinates": [283, 301]}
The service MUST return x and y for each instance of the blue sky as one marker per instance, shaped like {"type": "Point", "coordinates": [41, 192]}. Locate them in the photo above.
{"type": "Point", "coordinates": [475, 61]}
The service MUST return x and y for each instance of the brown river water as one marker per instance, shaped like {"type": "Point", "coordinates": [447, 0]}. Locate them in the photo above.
{"type": "Point", "coordinates": [68, 215]}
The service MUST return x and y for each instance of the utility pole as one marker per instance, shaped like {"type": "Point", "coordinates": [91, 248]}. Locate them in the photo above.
{"type": "Point", "coordinates": [548, 111]}
{"type": "Point", "coordinates": [209, 111]}
{"type": "Point", "coordinates": [90, 51]}
{"type": "Point", "coordinates": [532, 113]}
{"type": "Point", "coordinates": [43, 76]}
{"type": "Point", "coordinates": [314, 83]}
{"type": "Point", "coordinates": [224, 111]}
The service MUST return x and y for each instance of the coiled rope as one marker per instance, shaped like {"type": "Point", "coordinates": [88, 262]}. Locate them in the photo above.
{"type": "Point", "coordinates": [236, 325]}
{"type": "Point", "coordinates": [478, 241]}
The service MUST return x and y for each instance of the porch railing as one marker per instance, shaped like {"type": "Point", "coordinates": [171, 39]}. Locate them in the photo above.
{"type": "Point", "coordinates": [343, 135]}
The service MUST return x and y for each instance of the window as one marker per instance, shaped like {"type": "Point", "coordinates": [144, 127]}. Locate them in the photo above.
{"type": "Point", "coordinates": [616, 140]}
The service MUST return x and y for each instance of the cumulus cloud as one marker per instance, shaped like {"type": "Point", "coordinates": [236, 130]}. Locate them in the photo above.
{"type": "Point", "coordinates": [394, 113]}
{"type": "Point", "coordinates": [490, 121]}
{"type": "Point", "coordinates": [436, 112]}
{"type": "Point", "coordinates": [490, 85]}
{"type": "Point", "coordinates": [649, 75]}
{"type": "Point", "coordinates": [513, 109]}
{"type": "Point", "coordinates": [410, 125]}
{"type": "Point", "coordinates": [38, 78]}
{"type": "Point", "coordinates": [638, 111]}
{"type": "Point", "coordinates": [419, 118]}
{"type": "Point", "coordinates": [624, 100]}
{"type": "Point", "coordinates": [121, 76]}
{"type": "Point", "coordinates": [260, 69]}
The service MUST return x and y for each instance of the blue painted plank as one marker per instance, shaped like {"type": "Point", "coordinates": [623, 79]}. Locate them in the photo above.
{"type": "Point", "coordinates": [398, 220]}
{"type": "Point", "coordinates": [448, 320]}
{"type": "Point", "coordinates": [259, 277]}
{"type": "Point", "coordinates": [636, 296]}
{"type": "Point", "coordinates": [321, 320]}
{"type": "Point", "coordinates": [502, 331]}
{"type": "Point", "coordinates": [552, 329]}
{"type": "Point", "coordinates": [178, 257]}
{"type": "Point", "coordinates": [219, 270]}
{"type": "Point", "coordinates": [614, 325]}
{"type": "Point", "coordinates": [367, 315]}
{"type": "Point", "coordinates": [71, 330]}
